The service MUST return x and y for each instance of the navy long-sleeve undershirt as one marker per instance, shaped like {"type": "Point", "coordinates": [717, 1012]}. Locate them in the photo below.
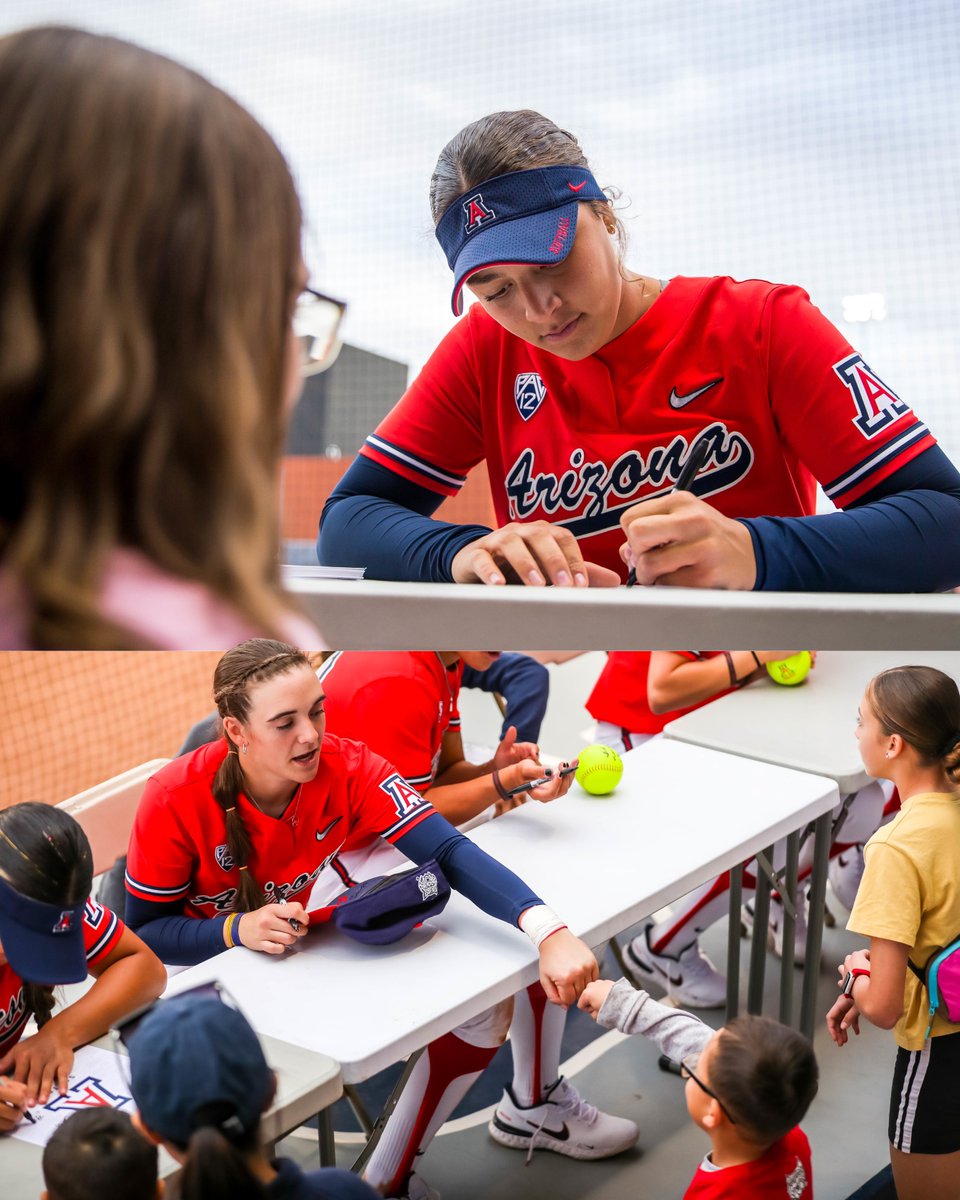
{"type": "Point", "coordinates": [903, 536]}
{"type": "Point", "coordinates": [183, 940]}
{"type": "Point", "coordinates": [524, 684]}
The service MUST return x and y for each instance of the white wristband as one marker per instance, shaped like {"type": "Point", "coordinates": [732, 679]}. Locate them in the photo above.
{"type": "Point", "coordinates": [539, 922]}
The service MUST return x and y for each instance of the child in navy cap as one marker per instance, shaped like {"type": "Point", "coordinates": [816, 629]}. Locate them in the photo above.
{"type": "Point", "coordinates": [201, 1082]}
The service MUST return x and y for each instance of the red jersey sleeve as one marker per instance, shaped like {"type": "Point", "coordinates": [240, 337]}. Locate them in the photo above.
{"type": "Point", "coordinates": [433, 436]}
{"type": "Point", "coordinates": [383, 803]}
{"type": "Point", "coordinates": [160, 858]}
{"type": "Point", "coordinates": [833, 412]}
{"type": "Point", "coordinates": [399, 714]}
{"type": "Point", "coordinates": [102, 930]}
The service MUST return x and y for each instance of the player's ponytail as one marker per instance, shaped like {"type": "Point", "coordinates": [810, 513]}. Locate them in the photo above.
{"type": "Point", "coordinates": [44, 855]}
{"type": "Point", "coordinates": [922, 705]}
{"type": "Point", "coordinates": [217, 1167]}
{"type": "Point", "coordinates": [249, 663]}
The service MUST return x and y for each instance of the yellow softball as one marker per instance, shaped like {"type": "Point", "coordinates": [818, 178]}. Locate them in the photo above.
{"type": "Point", "coordinates": [599, 770]}
{"type": "Point", "coordinates": [790, 671]}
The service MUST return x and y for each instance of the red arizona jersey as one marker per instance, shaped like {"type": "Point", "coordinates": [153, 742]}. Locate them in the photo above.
{"type": "Point", "coordinates": [178, 848]}
{"type": "Point", "coordinates": [783, 1173]}
{"type": "Point", "coordinates": [400, 703]}
{"type": "Point", "coordinates": [620, 694]}
{"type": "Point", "coordinates": [102, 930]}
{"type": "Point", "coordinates": [782, 395]}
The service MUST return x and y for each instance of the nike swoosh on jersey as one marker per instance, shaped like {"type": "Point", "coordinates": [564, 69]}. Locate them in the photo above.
{"type": "Point", "coordinates": [677, 401]}
{"type": "Point", "coordinates": [322, 834]}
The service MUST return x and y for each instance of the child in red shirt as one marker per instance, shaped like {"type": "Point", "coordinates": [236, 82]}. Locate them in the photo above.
{"type": "Point", "coordinates": [748, 1085]}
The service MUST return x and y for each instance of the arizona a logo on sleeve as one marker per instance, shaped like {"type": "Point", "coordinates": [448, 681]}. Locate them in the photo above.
{"type": "Point", "coordinates": [529, 392]}
{"type": "Point", "coordinates": [877, 406]}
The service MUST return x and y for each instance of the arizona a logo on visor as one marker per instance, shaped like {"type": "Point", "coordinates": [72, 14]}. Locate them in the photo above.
{"type": "Point", "coordinates": [65, 923]}
{"type": "Point", "coordinates": [476, 213]}
{"type": "Point", "coordinates": [528, 391]}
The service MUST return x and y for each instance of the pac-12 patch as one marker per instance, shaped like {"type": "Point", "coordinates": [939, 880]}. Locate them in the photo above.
{"type": "Point", "coordinates": [529, 392]}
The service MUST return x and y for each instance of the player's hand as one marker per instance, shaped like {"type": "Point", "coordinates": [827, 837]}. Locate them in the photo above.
{"type": "Point", "coordinates": [13, 1102]}
{"type": "Point", "coordinates": [269, 929]}
{"type": "Point", "coordinates": [842, 1016]}
{"type": "Point", "coordinates": [528, 770]}
{"type": "Point", "coordinates": [594, 996]}
{"type": "Point", "coordinates": [567, 965]}
{"type": "Point", "coordinates": [511, 751]}
{"type": "Point", "coordinates": [40, 1062]}
{"type": "Point", "coordinates": [533, 554]}
{"type": "Point", "coordinates": [681, 541]}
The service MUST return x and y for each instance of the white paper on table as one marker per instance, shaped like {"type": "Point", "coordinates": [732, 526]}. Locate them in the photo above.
{"type": "Point", "coordinates": [97, 1080]}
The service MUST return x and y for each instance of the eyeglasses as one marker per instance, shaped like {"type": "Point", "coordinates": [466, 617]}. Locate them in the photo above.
{"type": "Point", "coordinates": [316, 322]}
{"type": "Point", "coordinates": [686, 1072]}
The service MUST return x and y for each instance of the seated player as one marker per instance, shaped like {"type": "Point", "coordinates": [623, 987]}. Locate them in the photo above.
{"type": "Point", "coordinates": [636, 694]}
{"type": "Point", "coordinates": [405, 704]}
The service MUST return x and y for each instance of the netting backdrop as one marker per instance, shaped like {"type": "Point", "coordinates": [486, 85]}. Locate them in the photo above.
{"type": "Point", "coordinates": [72, 720]}
{"type": "Point", "coordinates": [804, 143]}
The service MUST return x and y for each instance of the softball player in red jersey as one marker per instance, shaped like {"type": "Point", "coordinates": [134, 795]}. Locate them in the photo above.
{"type": "Point", "coordinates": [52, 933]}
{"type": "Point", "coordinates": [636, 694]}
{"type": "Point", "coordinates": [583, 387]}
{"type": "Point", "coordinates": [407, 704]}
{"type": "Point", "coordinates": [231, 841]}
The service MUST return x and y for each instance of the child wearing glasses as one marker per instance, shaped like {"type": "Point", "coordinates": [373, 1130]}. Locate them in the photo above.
{"type": "Point", "coordinates": [748, 1085]}
{"type": "Point", "coordinates": [52, 933]}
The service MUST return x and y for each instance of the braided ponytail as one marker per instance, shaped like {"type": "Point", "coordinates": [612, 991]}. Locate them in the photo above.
{"type": "Point", "coordinates": [249, 663]}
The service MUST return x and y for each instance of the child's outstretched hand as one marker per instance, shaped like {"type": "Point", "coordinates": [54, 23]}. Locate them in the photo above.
{"type": "Point", "coordinates": [593, 996]}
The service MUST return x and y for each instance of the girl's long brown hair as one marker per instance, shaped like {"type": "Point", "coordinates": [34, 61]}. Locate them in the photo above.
{"type": "Point", "coordinates": [251, 662]}
{"type": "Point", "coordinates": [149, 257]}
{"type": "Point", "coordinates": [922, 705]}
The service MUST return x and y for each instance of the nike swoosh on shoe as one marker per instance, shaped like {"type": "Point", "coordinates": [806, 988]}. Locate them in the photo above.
{"type": "Point", "coordinates": [677, 401]}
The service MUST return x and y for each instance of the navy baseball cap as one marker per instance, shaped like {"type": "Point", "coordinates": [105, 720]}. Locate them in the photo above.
{"type": "Point", "coordinates": [521, 217]}
{"type": "Point", "coordinates": [42, 942]}
{"type": "Point", "coordinates": [196, 1062]}
{"type": "Point", "coordinates": [385, 909]}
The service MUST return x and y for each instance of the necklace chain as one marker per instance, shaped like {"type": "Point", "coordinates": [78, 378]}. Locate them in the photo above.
{"type": "Point", "coordinates": [293, 819]}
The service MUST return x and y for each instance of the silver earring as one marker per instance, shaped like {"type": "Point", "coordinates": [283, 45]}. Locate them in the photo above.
{"type": "Point", "coordinates": [244, 749]}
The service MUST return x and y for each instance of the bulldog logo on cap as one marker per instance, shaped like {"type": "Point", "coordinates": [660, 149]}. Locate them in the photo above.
{"type": "Point", "coordinates": [427, 883]}
{"type": "Point", "coordinates": [476, 213]}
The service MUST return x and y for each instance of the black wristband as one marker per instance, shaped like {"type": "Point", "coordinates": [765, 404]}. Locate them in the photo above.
{"type": "Point", "coordinates": [731, 671]}
{"type": "Point", "coordinates": [756, 659]}
{"type": "Point", "coordinates": [501, 790]}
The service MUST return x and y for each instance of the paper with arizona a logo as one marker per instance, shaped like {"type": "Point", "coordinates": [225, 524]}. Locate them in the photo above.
{"type": "Point", "coordinates": [96, 1081]}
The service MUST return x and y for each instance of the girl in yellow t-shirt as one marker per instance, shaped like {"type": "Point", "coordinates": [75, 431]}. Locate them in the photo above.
{"type": "Point", "coordinates": [908, 905]}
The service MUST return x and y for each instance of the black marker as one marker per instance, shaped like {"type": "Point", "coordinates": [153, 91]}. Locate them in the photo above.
{"type": "Point", "coordinates": [688, 473]}
{"type": "Point", "coordinates": [535, 783]}
{"type": "Point", "coordinates": [27, 1114]}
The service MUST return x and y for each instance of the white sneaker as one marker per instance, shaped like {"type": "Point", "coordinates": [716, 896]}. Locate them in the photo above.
{"type": "Point", "coordinates": [845, 872]}
{"type": "Point", "coordinates": [775, 928]}
{"type": "Point", "coordinates": [690, 978]}
{"type": "Point", "coordinates": [563, 1122]}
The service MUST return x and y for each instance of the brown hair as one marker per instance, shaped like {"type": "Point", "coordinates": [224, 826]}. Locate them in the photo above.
{"type": "Point", "coordinates": [509, 141]}
{"type": "Point", "coordinates": [97, 1153]}
{"type": "Point", "coordinates": [249, 663]}
{"type": "Point", "coordinates": [149, 255]}
{"type": "Point", "coordinates": [922, 705]}
{"type": "Point", "coordinates": [45, 855]}
{"type": "Point", "coordinates": [765, 1074]}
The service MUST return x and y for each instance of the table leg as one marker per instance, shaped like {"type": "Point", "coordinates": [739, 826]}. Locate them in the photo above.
{"type": "Point", "coordinates": [823, 835]}
{"type": "Point", "coordinates": [733, 941]}
{"type": "Point", "coordinates": [758, 946]}
{"type": "Point", "coordinates": [792, 900]}
{"type": "Point", "coordinates": [388, 1108]}
{"type": "Point", "coordinates": [325, 1142]}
